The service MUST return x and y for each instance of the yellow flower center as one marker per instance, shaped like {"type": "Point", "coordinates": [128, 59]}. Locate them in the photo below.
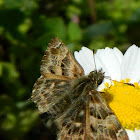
{"type": "Point", "coordinates": [124, 100]}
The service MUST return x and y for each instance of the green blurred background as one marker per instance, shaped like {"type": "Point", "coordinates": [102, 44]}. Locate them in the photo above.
{"type": "Point", "coordinates": [26, 26]}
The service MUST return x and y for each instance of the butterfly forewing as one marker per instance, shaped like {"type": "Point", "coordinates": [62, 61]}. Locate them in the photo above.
{"type": "Point", "coordinates": [71, 99]}
{"type": "Point", "coordinates": [59, 61]}
{"type": "Point", "coordinates": [57, 68]}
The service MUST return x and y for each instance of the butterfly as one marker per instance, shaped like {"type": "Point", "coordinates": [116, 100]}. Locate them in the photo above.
{"type": "Point", "coordinates": [71, 98]}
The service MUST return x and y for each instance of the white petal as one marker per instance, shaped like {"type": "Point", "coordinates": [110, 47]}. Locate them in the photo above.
{"type": "Point", "coordinates": [131, 135]}
{"type": "Point", "coordinates": [137, 133]}
{"type": "Point", "coordinates": [118, 54]}
{"type": "Point", "coordinates": [130, 66]}
{"type": "Point", "coordinates": [108, 61]}
{"type": "Point", "coordinates": [85, 59]}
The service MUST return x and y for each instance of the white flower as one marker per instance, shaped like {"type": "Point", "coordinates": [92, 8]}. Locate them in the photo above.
{"type": "Point", "coordinates": [115, 65]}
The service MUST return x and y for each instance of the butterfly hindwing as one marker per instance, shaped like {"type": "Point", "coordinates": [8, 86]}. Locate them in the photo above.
{"type": "Point", "coordinates": [49, 94]}
{"type": "Point", "coordinates": [103, 122]}
{"type": "Point", "coordinates": [91, 119]}
{"type": "Point", "coordinates": [72, 123]}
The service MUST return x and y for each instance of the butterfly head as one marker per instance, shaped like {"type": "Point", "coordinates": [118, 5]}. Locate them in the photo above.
{"type": "Point", "coordinates": [96, 77]}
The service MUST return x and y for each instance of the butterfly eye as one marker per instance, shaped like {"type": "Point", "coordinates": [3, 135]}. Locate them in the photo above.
{"type": "Point", "coordinates": [100, 81]}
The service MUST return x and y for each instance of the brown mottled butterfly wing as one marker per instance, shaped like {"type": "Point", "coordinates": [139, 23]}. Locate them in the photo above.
{"type": "Point", "coordinates": [71, 99]}
{"type": "Point", "coordinates": [58, 67]}
{"type": "Point", "coordinates": [90, 118]}
{"type": "Point", "coordinates": [59, 61]}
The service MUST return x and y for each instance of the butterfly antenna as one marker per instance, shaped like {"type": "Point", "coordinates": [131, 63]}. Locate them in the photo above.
{"type": "Point", "coordinates": [94, 60]}
{"type": "Point", "coordinates": [108, 77]}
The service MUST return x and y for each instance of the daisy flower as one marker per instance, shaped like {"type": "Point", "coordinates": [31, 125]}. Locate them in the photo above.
{"type": "Point", "coordinates": [124, 99]}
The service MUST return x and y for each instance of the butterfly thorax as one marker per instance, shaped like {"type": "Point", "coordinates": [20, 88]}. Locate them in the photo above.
{"type": "Point", "coordinates": [96, 77]}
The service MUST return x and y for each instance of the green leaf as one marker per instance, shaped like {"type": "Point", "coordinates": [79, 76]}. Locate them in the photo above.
{"type": "Point", "coordinates": [135, 16]}
{"type": "Point", "coordinates": [9, 122]}
{"type": "Point", "coordinates": [27, 119]}
{"type": "Point", "coordinates": [1, 2]}
{"type": "Point", "coordinates": [6, 104]}
{"type": "Point", "coordinates": [54, 27]}
{"type": "Point", "coordinates": [23, 4]}
{"type": "Point", "coordinates": [74, 47]}
{"type": "Point", "coordinates": [74, 32]}
{"type": "Point", "coordinates": [25, 26]}
{"type": "Point", "coordinates": [15, 17]}
{"type": "Point", "coordinates": [97, 30]}
{"type": "Point", "coordinates": [22, 104]}
{"type": "Point", "coordinates": [9, 71]}
{"type": "Point", "coordinates": [1, 69]}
